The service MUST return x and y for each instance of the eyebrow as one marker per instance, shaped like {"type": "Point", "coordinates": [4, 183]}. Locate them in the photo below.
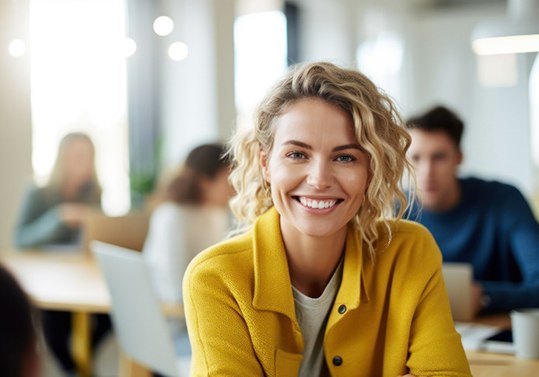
{"type": "Point", "coordinates": [336, 149]}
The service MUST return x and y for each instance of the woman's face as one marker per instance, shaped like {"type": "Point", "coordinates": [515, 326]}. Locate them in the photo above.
{"type": "Point", "coordinates": [78, 161]}
{"type": "Point", "coordinates": [317, 170]}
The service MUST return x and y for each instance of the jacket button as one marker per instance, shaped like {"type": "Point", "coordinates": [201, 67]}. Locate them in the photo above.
{"type": "Point", "coordinates": [337, 360]}
{"type": "Point", "coordinates": [342, 309]}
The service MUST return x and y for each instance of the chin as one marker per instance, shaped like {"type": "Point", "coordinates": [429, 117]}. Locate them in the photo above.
{"type": "Point", "coordinates": [427, 199]}
{"type": "Point", "coordinates": [318, 230]}
{"type": "Point", "coordinates": [430, 204]}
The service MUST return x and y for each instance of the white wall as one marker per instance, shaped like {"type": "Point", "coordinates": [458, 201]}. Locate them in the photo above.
{"type": "Point", "coordinates": [328, 31]}
{"type": "Point", "coordinates": [198, 93]}
{"type": "Point", "coordinates": [496, 142]}
{"type": "Point", "coordinates": [15, 127]}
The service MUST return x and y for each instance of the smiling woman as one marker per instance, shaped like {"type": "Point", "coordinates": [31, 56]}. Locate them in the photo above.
{"type": "Point", "coordinates": [321, 281]}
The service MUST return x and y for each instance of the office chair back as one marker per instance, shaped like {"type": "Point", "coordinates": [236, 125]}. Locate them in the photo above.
{"type": "Point", "coordinates": [138, 321]}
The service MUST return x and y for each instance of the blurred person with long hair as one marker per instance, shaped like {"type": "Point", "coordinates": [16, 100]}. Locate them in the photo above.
{"type": "Point", "coordinates": [51, 217]}
{"type": "Point", "coordinates": [193, 216]}
{"type": "Point", "coordinates": [53, 214]}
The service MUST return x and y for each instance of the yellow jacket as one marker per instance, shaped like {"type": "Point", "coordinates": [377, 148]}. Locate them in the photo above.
{"type": "Point", "coordinates": [389, 318]}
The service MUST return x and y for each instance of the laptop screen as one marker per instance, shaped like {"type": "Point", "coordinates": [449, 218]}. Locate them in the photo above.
{"type": "Point", "coordinates": [458, 281]}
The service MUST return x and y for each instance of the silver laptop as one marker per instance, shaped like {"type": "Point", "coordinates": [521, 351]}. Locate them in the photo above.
{"type": "Point", "coordinates": [459, 281]}
{"type": "Point", "coordinates": [138, 322]}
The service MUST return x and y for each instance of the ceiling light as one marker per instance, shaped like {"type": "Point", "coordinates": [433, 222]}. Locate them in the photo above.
{"type": "Point", "coordinates": [178, 51]}
{"type": "Point", "coordinates": [130, 47]}
{"type": "Point", "coordinates": [163, 25]}
{"type": "Point", "coordinates": [17, 48]}
{"type": "Point", "coordinates": [519, 33]}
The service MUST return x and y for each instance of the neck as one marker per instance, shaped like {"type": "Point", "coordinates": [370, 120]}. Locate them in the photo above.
{"type": "Point", "coordinates": [71, 189]}
{"type": "Point", "coordinates": [313, 260]}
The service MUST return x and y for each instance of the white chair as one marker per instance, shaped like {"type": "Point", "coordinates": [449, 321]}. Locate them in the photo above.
{"type": "Point", "coordinates": [139, 323]}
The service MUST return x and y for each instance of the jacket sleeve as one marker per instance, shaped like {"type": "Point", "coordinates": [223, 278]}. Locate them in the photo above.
{"type": "Point", "coordinates": [218, 333]}
{"type": "Point", "coordinates": [34, 229]}
{"type": "Point", "coordinates": [435, 347]}
{"type": "Point", "coordinates": [522, 231]}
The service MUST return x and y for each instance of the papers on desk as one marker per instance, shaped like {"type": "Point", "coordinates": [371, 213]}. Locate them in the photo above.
{"type": "Point", "coordinates": [476, 337]}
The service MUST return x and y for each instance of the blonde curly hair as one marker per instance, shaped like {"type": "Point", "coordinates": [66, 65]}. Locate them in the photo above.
{"type": "Point", "coordinates": [378, 127]}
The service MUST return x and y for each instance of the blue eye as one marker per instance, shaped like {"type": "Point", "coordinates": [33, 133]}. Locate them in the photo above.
{"type": "Point", "coordinates": [345, 158]}
{"type": "Point", "coordinates": [296, 155]}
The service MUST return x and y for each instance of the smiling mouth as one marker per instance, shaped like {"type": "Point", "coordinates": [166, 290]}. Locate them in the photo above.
{"type": "Point", "coordinates": [317, 204]}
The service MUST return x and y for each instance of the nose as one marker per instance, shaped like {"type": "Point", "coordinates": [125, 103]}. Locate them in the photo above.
{"type": "Point", "coordinates": [320, 174]}
{"type": "Point", "coordinates": [424, 169]}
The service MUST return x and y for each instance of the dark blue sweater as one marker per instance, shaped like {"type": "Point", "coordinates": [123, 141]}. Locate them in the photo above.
{"type": "Point", "coordinates": [494, 229]}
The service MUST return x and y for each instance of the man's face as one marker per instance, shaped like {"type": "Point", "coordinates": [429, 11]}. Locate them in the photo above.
{"type": "Point", "coordinates": [436, 159]}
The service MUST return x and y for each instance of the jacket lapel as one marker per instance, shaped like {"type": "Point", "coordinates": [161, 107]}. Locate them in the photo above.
{"type": "Point", "coordinates": [273, 288]}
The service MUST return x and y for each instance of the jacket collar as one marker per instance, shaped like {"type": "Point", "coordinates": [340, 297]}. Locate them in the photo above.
{"type": "Point", "coordinates": [273, 288]}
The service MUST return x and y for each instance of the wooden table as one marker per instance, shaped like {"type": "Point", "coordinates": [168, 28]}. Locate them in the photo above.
{"type": "Point", "coordinates": [70, 281]}
{"type": "Point", "coordinates": [73, 282]}
{"type": "Point", "coordinates": [488, 364]}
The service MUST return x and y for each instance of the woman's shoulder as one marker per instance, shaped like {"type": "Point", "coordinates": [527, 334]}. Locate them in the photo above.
{"type": "Point", "coordinates": [168, 209]}
{"type": "Point", "coordinates": [34, 188]}
{"type": "Point", "coordinates": [409, 228]}
{"type": "Point", "coordinates": [403, 230]}
{"type": "Point", "coordinates": [232, 253]}
{"type": "Point", "coordinates": [166, 213]}
{"type": "Point", "coordinates": [408, 239]}
{"type": "Point", "coordinates": [35, 193]}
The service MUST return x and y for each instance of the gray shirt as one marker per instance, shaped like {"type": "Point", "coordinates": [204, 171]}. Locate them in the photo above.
{"type": "Point", "coordinates": [39, 222]}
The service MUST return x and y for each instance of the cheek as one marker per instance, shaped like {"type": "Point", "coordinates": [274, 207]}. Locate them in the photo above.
{"type": "Point", "coordinates": [276, 172]}
{"type": "Point", "coordinates": [445, 169]}
{"type": "Point", "coordinates": [356, 184]}
{"type": "Point", "coordinates": [279, 179]}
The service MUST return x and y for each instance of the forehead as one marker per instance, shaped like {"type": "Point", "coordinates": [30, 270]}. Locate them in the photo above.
{"type": "Point", "coordinates": [78, 147]}
{"type": "Point", "coordinates": [314, 118]}
{"type": "Point", "coordinates": [431, 141]}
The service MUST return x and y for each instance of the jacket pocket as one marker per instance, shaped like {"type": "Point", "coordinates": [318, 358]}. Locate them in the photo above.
{"type": "Point", "coordinates": [287, 363]}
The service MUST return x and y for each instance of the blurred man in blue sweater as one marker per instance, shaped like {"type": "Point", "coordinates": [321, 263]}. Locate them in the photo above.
{"type": "Point", "coordinates": [486, 223]}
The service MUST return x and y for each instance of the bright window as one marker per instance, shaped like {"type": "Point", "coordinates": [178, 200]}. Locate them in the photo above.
{"type": "Point", "coordinates": [78, 83]}
{"type": "Point", "coordinates": [381, 58]}
{"type": "Point", "coordinates": [260, 59]}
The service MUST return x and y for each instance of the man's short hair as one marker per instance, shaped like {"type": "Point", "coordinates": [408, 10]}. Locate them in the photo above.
{"type": "Point", "coordinates": [439, 118]}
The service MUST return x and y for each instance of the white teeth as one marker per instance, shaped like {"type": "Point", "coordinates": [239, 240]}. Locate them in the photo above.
{"type": "Point", "coordinates": [317, 204]}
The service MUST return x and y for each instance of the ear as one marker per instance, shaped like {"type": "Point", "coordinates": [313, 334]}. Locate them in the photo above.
{"type": "Point", "coordinates": [263, 160]}
{"type": "Point", "coordinates": [460, 158]}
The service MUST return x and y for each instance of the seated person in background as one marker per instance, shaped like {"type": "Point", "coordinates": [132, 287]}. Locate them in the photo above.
{"type": "Point", "coordinates": [53, 215]}
{"type": "Point", "coordinates": [193, 216]}
{"type": "Point", "coordinates": [321, 281]}
{"type": "Point", "coordinates": [486, 223]}
{"type": "Point", "coordinates": [18, 339]}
